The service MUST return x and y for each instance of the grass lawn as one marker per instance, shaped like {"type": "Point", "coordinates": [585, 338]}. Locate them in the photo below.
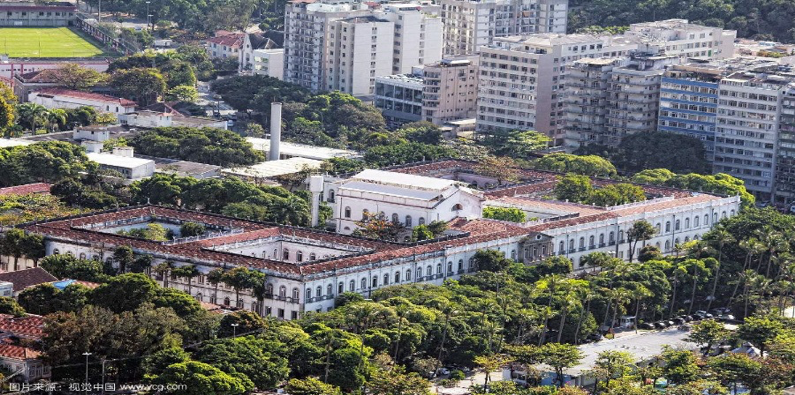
{"type": "Point", "coordinates": [45, 42]}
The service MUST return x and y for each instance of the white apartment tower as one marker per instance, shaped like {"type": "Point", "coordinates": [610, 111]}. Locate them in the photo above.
{"type": "Point", "coordinates": [680, 38]}
{"type": "Point", "coordinates": [450, 90]}
{"type": "Point", "coordinates": [344, 45]}
{"type": "Point", "coordinates": [521, 82]}
{"type": "Point", "coordinates": [469, 24]}
{"type": "Point", "coordinates": [747, 135]}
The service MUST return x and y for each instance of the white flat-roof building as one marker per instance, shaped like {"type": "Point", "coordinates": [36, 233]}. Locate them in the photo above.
{"type": "Point", "coordinates": [130, 167]}
{"type": "Point", "coordinates": [404, 198]}
{"type": "Point", "coordinates": [289, 150]}
{"type": "Point", "coordinates": [680, 38]}
{"type": "Point", "coordinates": [268, 62]}
{"type": "Point", "coordinates": [65, 98]}
{"type": "Point", "coordinates": [266, 172]}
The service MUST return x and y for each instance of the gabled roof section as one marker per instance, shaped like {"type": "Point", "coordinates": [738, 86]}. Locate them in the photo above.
{"type": "Point", "coordinates": [27, 278]}
{"type": "Point", "coordinates": [402, 180]}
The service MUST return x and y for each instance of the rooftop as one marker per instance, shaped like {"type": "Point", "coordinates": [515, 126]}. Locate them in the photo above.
{"type": "Point", "coordinates": [97, 97]}
{"type": "Point", "coordinates": [30, 326]}
{"type": "Point", "coordinates": [229, 40]}
{"type": "Point", "coordinates": [118, 160]}
{"type": "Point", "coordinates": [39, 187]}
{"type": "Point", "coordinates": [404, 180]}
{"type": "Point", "coordinates": [274, 168]}
{"type": "Point", "coordinates": [301, 150]}
{"type": "Point", "coordinates": [27, 278]}
{"type": "Point", "coordinates": [12, 351]}
{"type": "Point", "coordinates": [6, 143]}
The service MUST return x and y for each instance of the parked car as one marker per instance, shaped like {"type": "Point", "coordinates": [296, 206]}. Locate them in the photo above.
{"type": "Point", "coordinates": [660, 325]}
{"type": "Point", "coordinates": [645, 325]}
{"type": "Point", "coordinates": [704, 314]}
{"type": "Point", "coordinates": [697, 317]}
{"type": "Point", "coordinates": [595, 337]}
{"type": "Point", "coordinates": [726, 317]}
{"type": "Point", "coordinates": [678, 321]}
{"type": "Point", "coordinates": [687, 318]}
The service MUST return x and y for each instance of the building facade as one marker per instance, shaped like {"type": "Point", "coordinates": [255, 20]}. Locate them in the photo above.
{"type": "Point", "coordinates": [468, 25]}
{"type": "Point", "coordinates": [586, 103]}
{"type": "Point", "coordinates": [35, 14]}
{"type": "Point", "coordinates": [450, 90]}
{"type": "Point", "coordinates": [65, 98]}
{"type": "Point", "coordinates": [269, 62]}
{"type": "Point", "coordinates": [785, 160]}
{"type": "Point", "coordinates": [400, 98]}
{"type": "Point", "coordinates": [680, 38]}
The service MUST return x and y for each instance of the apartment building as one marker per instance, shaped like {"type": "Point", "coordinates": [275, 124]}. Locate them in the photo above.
{"type": "Point", "coordinates": [586, 103]}
{"type": "Point", "coordinates": [268, 62]}
{"type": "Point", "coordinates": [417, 36]}
{"type": "Point", "coordinates": [36, 14]}
{"type": "Point", "coordinates": [345, 45]}
{"type": "Point", "coordinates": [469, 24]}
{"type": "Point", "coordinates": [747, 134]}
{"type": "Point", "coordinates": [438, 93]}
{"type": "Point", "coordinates": [680, 38]}
{"type": "Point", "coordinates": [521, 83]}
{"type": "Point", "coordinates": [785, 160]}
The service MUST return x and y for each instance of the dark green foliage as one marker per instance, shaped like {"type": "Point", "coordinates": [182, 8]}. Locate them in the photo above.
{"type": "Point", "coordinates": [68, 266]}
{"type": "Point", "coordinates": [50, 161]}
{"type": "Point", "coordinates": [676, 152]}
{"type": "Point", "coordinates": [213, 146]}
{"type": "Point", "coordinates": [10, 306]}
{"type": "Point", "coordinates": [398, 154]}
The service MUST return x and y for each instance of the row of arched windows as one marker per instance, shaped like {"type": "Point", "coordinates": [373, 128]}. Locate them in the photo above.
{"type": "Point", "coordinates": [407, 220]}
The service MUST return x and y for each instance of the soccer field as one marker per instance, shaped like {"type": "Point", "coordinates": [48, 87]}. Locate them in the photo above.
{"type": "Point", "coordinates": [38, 42]}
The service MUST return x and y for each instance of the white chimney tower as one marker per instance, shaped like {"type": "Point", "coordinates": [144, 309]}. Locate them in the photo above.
{"type": "Point", "coordinates": [315, 187]}
{"type": "Point", "coordinates": [276, 130]}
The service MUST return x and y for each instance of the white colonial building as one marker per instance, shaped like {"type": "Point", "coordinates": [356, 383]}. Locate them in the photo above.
{"type": "Point", "coordinates": [65, 98]}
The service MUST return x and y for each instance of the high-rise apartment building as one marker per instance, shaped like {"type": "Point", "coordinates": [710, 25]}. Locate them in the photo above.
{"type": "Point", "coordinates": [470, 24]}
{"type": "Point", "coordinates": [440, 92]}
{"type": "Point", "coordinates": [747, 135]}
{"type": "Point", "coordinates": [521, 83]}
{"type": "Point", "coordinates": [344, 45]}
{"type": "Point", "coordinates": [586, 104]}
{"type": "Point", "coordinates": [680, 38]}
{"type": "Point", "coordinates": [785, 160]}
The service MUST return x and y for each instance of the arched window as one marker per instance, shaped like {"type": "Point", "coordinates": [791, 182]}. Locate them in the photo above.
{"type": "Point", "coordinates": [714, 218]}
{"type": "Point", "coordinates": [299, 256]}
{"type": "Point", "coordinates": [329, 290]}
{"type": "Point", "coordinates": [408, 275]}
{"type": "Point", "coordinates": [395, 218]}
{"type": "Point", "coordinates": [601, 239]}
{"type": "Point", "coordinates": [561, 248]}
{"type": "Point", "coordinates": [612, 237]}
{"type": "Point", "coordinates": [347, 212]}
{"type": "Point", "coordinates": [706, 219]}
{"type": "Point", "coordinates": [677, 227]}
{"type": "Point", "coordinates": [397, 276]}
{"type": "Point", "coordinates": [472, 263]}
{"type": "Point", "coordinates": [364, 283]}
{"type": "Point", "coordinates": [254, 306]}
{"type": "Point", "coordinates": [57, 251]}
{"type": "Point", "coordinates": [286, 254]}
{"type": "Point", "coordinates": [429, 271]}
{"type": "Point", "coordinates": [295, 294]}
{"type": "Point", "coordinates": [308, 295]}
{"type": "Point", "coordinates": [457, 207]}
{"type": "Point", "coordinates": [283, 291]}
{"type": "Point", "coordinates": [513, 254]}
{"type": "Point", "coordinates": [460, 265]}
{"type": "Point", "coordinates": [312, 256]}
{"type": "Point", "coordinates": [449, 268]}
{"type": "Point", "coordinates": [82, 255]}
{"type": "Point", "coordinates": [352, 286]}
{"type": "Point", "coordinates": [331, 196]}
{"type": "Point", "coordinates": [269, 289]}
{"type": "Point", "coordinates": [438, 268]}
{"type": "Point", "coordinates": [696, 237]}
{"type": "Point", "coordinates": [199, 297]}
{"type": "Point", "coordinates": [419, 273]}
{"type": "Point", "coordinates": [96, 257]}
{"type": "Point", "coordinates": [386, 279]}
{"type": "Point", "coordinates": [667, 226]}
{"type": "Point", "coordinates": [582, 242]}
{"type": "Point", "coordinates": [657, 228]}
{"type": "Point", "coordinates": [657, 245]}
{"type": "Point", "coordinates": [375, 282]}
{"type": "Point", "coordinates": [408, 221]}
{"type": "Point", "coordinates": [275, 254]}
{"type": "Point", "coordinates": [571, 245]}
{"type": "Point", "coordinates": [365, 212]}
{"type": "Point", "coordinates": [695, 221]}
{"type": "Point", "coordinates": [687, 223]}
{"type": "Point", "coordinates": [421, 221]}
{"type": "Point", "coordinates": [240, 303]}
{"type": "Point", "coordinates": [687, 239]}
{"type": "Point", "coordinates": [620, 236]}
{"type": "Point", "coordinates": [731, 213]}
{"type": "Point", "coordinates": [667, 245]}
{"type": "Point", "coordinates": [318, 291]}
{"type": "Point", "coordinates": [723, 214]}
{"type": "Point", "coordinates": [591, 242]}
{"type": "Point", "coordinates": [227, 301]}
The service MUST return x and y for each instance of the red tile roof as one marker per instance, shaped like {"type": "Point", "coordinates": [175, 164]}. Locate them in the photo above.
{"type": "Point", "coordinates": [98, 97]}
{"type": "Point", "coordinates": [229, 40]}
{"type": "Point", "coordinates": [37, 77]}
{"type": "Point", "coordinates": [27, 278]}
{"type": "Point", "coordinates": [26, 189]}
{"type": "Point", "coordinates": [30, 326]}
{"type": "Point", "coordinates": [17, 352]}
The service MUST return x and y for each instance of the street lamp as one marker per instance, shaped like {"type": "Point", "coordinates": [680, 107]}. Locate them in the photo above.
{"type": "Point", "coordinates": [86, 354]}
{"type": "Point", "coordinates": [147, 13]}
{"type": "Point", "coordinates": [234, 330]}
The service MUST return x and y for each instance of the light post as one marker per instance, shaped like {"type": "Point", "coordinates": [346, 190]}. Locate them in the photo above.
{"type": "Point", "coordinates": [86, 354]}
{"type": "Point", "coordinates": [147, 14]}
{"type": "Point", "coordinates": [234, 330]}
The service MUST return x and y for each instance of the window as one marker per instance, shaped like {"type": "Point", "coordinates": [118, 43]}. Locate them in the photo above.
{"type": "Point", "coordinates": [347, 212]}
{"type": "Point", "coordinates": [408, 221]}
{"type": "Point", "coordinates": [352, 286]}
{"type": "Point", "coordinates": [687, 223]}
{"type": "Point", "coordinates": [281, 313]}
{"type": "Point", "coordinates": [602, 239]}
{"type": "Point", "coordinates": [723, 214]}
{"type": "Point", "coordinates": [375, 281]}
{"type": "Point", "coordinates": [695, 221]}
{"type": "Point", "coordinates": [421, 220]}
{"type": "Point", "coordinates": [397, 277]}
{"type": "Point", "coordinates": [341, 287]}
{"type": "Point", "coordinates": [312, 256]}
{"type": "Point", "coordinates": [657, 228]}
{"type": "Point", "coordinates": [395, 218]}
{"type": "Point", "coordinates": [364, 283]}
{"type": "Point", "coordinates": [582, 242]}
{"type": "Point", "coordinates": [57, 251]}
{"type": "Point", "coordinates": [591, 242]}
{"type": "Point", "coordinates": [329, 290]}
{"type": "Point", "coordinates": [561, 248]}
{"type": "Point", "coordinates": [419, 274]}
{"type": "Point", "coordinates": [293, 315]}
{"type": "Point", "coordinates": [438, 268]}
{"type": "Point", "coordinates": [667, 226]}
{"type": "Point", "coordinates": [295, 294]}
{"type": "Point", "coordinates": [308, 295]}
{"type": "Point", "coordinates": [677, 225]}
{"type": "Point", "coordinates": [286, 254]}
{"type": "Point", "coordinates": [408, 275]}
{"type": "Point", "coordinates": [299, 256]}
{"type": "Point", "coordinates": [620, 236]}
{"type": "Point", "coordinates": [571, 245]}
{"type": "Point", "coordinates": [449, 268]}
{"type": "Point", "coordinates": [199, 297]}
{"type": "Point", "coordinates": [429, 271]}
{"type": "Point", "coordinates": [282, 291]}
{"type": "Point", "coordinates": [269, 289]}
{"type": "Point", "coordinates": [706, 219]}
{"type": "Point", "coordinates": [318, 291]}
{"type": "Point", "coordinates": [275, 253]}
{"type": "Point", "coordinates": [457, 207]}
{"type": "Point", "coordinates": [612, 238]}
{"type": "Point", "coordinates": [460, 265]}
{"type": "Point", "coordinates": [386, 279]}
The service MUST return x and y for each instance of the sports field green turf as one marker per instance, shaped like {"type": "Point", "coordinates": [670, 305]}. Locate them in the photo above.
{"type": "Point", "coordinates": [45, 42]}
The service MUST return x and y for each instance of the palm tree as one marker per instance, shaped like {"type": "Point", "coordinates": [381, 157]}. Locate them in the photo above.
{"type": "Point", "coordinates": [572, 294]}
{"type": "Point", "coordinates": [164, 270]}
{"type": "Point", "coordinates": [31, 114]}
{"type": "Point", "coordinates": [55, 119]}
{"type": "Point", "coordinates": [215, 277]}
{"type": "Point", "coordinates": [188, 272]}
{"type": "Point", "coordinates": [721, 236]}
{"type": "Point", "coordinates": [678, 272]}
{"type": "Point", "coordinates": [699, 269]}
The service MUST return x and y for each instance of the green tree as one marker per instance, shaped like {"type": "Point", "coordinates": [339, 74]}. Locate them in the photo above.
{"type": "Point", "coordinates": [640, 231]}
{"type": "Point", "coordinates": [239, 278]}
{"type": "Point", "coordinates": [733, 369]}
{"type": "Point", "coordinates": [246, 321]}
{"type": "Point", "coordinates": [679, 366]}
{"type": "Point", "coordinates": [257, 359]}
{"type": "Point", "coordinates": [143, 85]}
{"type": "Point", "coordinates": [491, 260]}
{"type": "Point", "coordinates": [395, 381]}
{"type": "Point", "coordinates": [588, 165]}
{"type": "Point", "coordinates": [207, 145]}
{"type": "Point", "coordinates": [76, 77]}
{"type": "Point", "coordinates": [613, 364]}
{"type": "Point", "coordinates": [511, 214]}
{"type": "Point", "coordinates": [184, 93]}
{"type": "Point", "coordinates": [10, 306]}
{"type": "Point", "coordinates": [189, 229]}
{"type": "Point", "coordinates": [7, 116]}
{"type": "Point", "coordinates": [574, 188]}
{"type": "Point", "coordinates": [638, 152]}
{"type": "Point", "coordinates": [202, 379]}
{"type": "Point", "coordinates": [616, 194]}
{"type": "Point", "coordinates": [125, 292]}
{"type": "Point", "coordinates": [501, 168]}
{"type": "Point", "coordinates": [708, 333]}
{"type": "Point", "coordinates": [123, 256]}
{"type": "Point", "coordinates": [310, 386]}
{"type": "Point", "coordinates": [421, 132]}
{"type": "Point", "coordinates": [421, 232]}
{"type": "Point", "coordinates": [760, 331]}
